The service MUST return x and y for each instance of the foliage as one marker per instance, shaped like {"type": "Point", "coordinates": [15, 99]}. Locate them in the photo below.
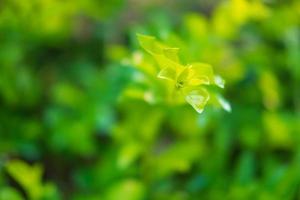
{"type": "Point", "coordinates": [187, 82]}
{"type": "Point", "coordinates": [30, 179]}
{"type": "Point", "coordinates": [86, 113]}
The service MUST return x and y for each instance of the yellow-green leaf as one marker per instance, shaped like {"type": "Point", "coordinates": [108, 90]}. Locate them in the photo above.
{"type": "Point", "coordinates": [150, 44]}
{"type": "Point", "coordinates": [201, 70]}
{"type": "Point", "coordinates": [168, 73]}
{"type": "Point", "coordinates": [198, 99]}
{"type": "Point", "coordinates": [184, 75]}
{"type": "Point", "coordinates": [172, 54]}
{"type": "Point", "coordinates": [224, 103]}
{"type": "Point", "coordinates": [164, 62]}
{"type": "Point", "coordinates": [219, 81]}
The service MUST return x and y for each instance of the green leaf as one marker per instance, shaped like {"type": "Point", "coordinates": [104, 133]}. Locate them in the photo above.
{"type": "Point", "coordinates": [172, 54]}
{"type": "Point", "coordinates": [129, 188]}
{"type": "Point", "coordinates": [198, 99]}
{"type": "Point", "coordinates": [164, 62]}
{"type": "Point", "coordinates": [29, 177]}
{"type": "Point", "coordinates": [8, 193]}
{"type": "Point", "coordinates": [164, 56]}
{"type": "Point", "coordinates": [202, 71]}
{"type": "Point", "coordinates": [167, 73]}
{"type": "Point", "coordinates": [150, 44]}
{"type": "Point", "coordinates": [183, 75]}
{"type": "Point", "coordinates": [219, 81]}
{"type": "Point", "coordinates": [24, 174]}
{"type": "Point", "coordinates": [218, 100]}
{"type": "Point", "coordinates": [224, 103]}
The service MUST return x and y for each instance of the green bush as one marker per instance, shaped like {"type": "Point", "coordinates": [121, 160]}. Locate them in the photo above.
{"type": "Point", "coordinates": [87, 113]}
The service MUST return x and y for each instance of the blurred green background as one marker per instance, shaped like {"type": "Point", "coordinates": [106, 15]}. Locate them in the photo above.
{"type": "Point", "coordinates": [79, 121]}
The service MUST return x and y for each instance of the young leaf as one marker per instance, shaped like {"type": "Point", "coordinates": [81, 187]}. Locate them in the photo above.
{"type": "Point", "coordinates": [150, 44]}
{"type": "Point", "coordinates": [188, 80]}
{"type": "Point", "coordinates": [171, 53]}
{"type": "Point", "coordinates": [167, 73]}
{"type": "Point", "coordinates": [200, 70]}
{"type": "Point", "coordinates": [198, 99]}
